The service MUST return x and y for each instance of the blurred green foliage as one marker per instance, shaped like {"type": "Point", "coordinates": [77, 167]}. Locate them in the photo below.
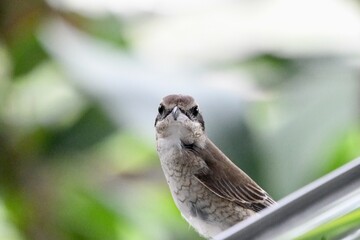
{"type": "Point", "coordinates": [336, 228]}
{"type": "Point", "coordinates": [68, 171]}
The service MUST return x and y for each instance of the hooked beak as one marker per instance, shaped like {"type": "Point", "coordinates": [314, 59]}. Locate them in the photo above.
{"type": "Point", "coordinates": [175, 112]}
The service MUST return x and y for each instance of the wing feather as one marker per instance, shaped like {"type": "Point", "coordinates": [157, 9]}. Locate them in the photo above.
{"type": "Point", "coordinates": [236, 186]}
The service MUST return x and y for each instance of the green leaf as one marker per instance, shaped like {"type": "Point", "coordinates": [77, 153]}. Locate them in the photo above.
{"type": "Point", "coordinates": [26, 53]}
{"type": "Point", "coordinates": [335, 228]}
{"type": "Point", "coordinates": [18, 26]}
{"type": "Point", "coordinates": [85, 216]}
{"type": "Point", "coordinates": [92, 127]}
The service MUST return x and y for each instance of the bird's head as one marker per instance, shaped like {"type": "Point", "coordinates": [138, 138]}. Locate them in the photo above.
{"type": "Point", "coordinates": [179, 115]}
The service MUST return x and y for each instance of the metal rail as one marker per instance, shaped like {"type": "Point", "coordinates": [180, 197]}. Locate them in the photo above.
{"type": "Point", "coordinates": [331, 196]}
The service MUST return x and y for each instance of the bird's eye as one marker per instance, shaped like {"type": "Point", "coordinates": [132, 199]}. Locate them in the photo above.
{"type": "Point", "coordinates": [161, 109]}
{"type": "Point", "coordinates": [195, 110]}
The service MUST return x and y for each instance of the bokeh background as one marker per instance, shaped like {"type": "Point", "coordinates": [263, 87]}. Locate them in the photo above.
{"type": "Point", "coordinates": [278, 83]}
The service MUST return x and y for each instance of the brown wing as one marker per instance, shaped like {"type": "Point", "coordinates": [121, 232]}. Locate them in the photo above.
{"type": "Point", "coordinates": [226, 180]}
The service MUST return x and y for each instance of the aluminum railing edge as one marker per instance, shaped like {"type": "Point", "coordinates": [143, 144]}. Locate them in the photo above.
{"type": "Point", "coordinates": [293, 203]}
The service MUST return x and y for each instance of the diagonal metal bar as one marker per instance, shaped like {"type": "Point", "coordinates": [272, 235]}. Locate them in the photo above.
{"type": "Point", "coordinates": [329, 197]}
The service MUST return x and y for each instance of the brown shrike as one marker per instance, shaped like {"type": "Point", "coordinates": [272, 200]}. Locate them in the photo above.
{"type": "Point", "coordinates": [211, 192]}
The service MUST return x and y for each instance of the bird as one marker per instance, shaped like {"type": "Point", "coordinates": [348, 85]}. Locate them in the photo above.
{"type": "Point", "coordinates": [210, 191]}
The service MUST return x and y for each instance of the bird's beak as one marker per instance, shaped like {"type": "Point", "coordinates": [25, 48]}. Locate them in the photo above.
{"type": "Point", "coordinates": [175, 112]}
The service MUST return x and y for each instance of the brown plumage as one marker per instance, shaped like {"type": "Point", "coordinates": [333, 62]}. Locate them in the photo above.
{"type": "Point", "coordinates": [228, 181]}
{"type": "Point", "coordinates": [211, 192]}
